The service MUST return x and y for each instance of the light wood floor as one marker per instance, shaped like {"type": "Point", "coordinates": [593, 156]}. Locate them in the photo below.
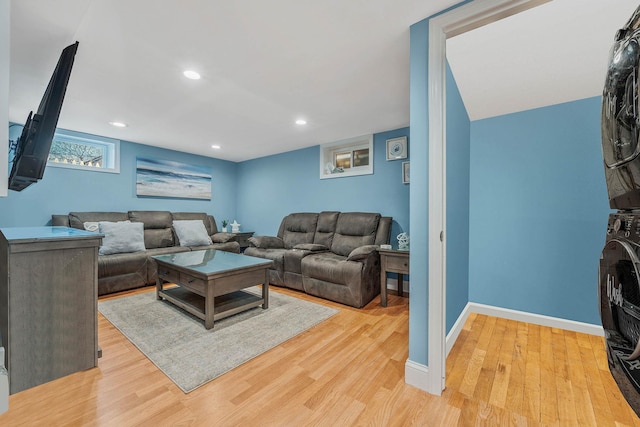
{"type": "Point", "coordinates": [347, 371]}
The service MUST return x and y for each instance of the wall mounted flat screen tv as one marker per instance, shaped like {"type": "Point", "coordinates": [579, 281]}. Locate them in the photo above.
{"type": "Point", "coordinates": [33, 146]}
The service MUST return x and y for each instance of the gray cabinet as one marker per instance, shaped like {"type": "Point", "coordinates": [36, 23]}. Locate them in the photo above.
{"type": "Point", "coordinates": [48, 303]}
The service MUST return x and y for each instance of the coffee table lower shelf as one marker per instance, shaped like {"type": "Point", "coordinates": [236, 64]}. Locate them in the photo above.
{"type": "Point", "coordinates": [225, 305]}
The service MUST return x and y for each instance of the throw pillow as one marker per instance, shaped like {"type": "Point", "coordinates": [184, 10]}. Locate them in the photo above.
{"type": "Point", "coordinates": [361, 252]}
{"type": "Point", "coordinates": [191, 232]}
{"type": "Point", "coordinates": [121, 237]}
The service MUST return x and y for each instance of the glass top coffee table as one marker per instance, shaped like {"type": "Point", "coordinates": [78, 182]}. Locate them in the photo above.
{"type": "Point", "coordinates": [210, 282]}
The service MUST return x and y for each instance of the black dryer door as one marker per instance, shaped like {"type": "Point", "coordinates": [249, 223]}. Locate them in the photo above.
{"type": "Point", "coordinates": [619, 294]}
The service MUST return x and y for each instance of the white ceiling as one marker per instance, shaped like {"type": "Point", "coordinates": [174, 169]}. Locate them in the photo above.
{"type": "Point", "coordinates": [554, 53]}
{"type": "Point", "coordinates": [341, 65]}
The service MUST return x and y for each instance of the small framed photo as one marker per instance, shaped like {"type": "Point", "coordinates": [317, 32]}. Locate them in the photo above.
{"type": "Point", "coordinates": [397, 148]}
{"type": "Point", "coordinates": [405, 172]}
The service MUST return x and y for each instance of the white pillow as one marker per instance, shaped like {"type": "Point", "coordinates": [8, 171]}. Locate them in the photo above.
{"type": "Point", "coordinates": [121, 237]}
{"type": "Point", "coordinates": [91, 226]}
{"type": "Point", "coordinates": [191, 232]}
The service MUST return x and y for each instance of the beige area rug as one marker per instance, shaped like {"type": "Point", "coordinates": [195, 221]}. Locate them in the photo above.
{"type": "Point", "coordinates": [179, 345]}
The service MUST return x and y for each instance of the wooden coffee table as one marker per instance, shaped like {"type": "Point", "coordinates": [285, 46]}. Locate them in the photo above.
{"type": "Point", "coordinates": [210, 282]}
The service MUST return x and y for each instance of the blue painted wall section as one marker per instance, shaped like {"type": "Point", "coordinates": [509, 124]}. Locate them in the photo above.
{"type": "Point", "coordinates": [269, 188]}
{"type": "Point", "coordinates": [457, 232]}
{"type": "Point", "coordinates": [419, 207]}
{"type": "Point", "coordinates": [539, 209]}
{"type": "Point", "coordinates": [64, 190]}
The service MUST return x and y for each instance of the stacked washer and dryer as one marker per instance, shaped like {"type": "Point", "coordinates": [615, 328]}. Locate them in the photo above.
{"type": "Point", "coordinates": [619, 271]}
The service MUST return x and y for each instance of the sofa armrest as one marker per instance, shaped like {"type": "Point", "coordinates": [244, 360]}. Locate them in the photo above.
{"type": "Point", "coordinates": [60, 220]}
{"type": "Point", "coordinates": [223, 237]}
{"type": "Point", "coordinates": [362, 252]}
{"type": "Point", "coordinates": [266, 242]}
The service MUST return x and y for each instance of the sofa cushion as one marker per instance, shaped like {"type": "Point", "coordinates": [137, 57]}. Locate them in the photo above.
{"type": "Point", "coordinates": [121, 237]}
{"type": "Point", "coordinates": [354, 229]}
{"type": "Point", "coordinates": [123, 263]}
{"type": "Point", "coordinates": [299, 228]}
{"type": "Point", "coordinates": [331, 267]}
{"type": "Point", "coordinates": [191, 232]}
{"type": "Point", "coordinates": [312, 247]}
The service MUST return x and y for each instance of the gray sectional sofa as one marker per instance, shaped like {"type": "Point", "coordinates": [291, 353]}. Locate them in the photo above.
{"type": "Point", "coordinates": [129, 270]}
{"type": "Point", "coordinates": [332, 255]}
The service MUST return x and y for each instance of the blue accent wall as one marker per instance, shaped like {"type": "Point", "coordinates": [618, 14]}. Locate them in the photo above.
{"type": "Point", "coordinates": [64, 190]}
{"type": "Point", "coordinates": [539, 210]}
{"type": "Point", "coordinates": [458, 176]}
{"type": "Point", "coordinates": [269, 188]}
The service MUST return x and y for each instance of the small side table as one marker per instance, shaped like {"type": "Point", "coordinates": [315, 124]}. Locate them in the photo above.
{"type": "Point", "coordinates": [243, 239]}
{"type": "Point", "coordinates": [392, 261]}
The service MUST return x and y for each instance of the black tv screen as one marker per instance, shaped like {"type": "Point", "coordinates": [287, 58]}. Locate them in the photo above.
{"type": "Point", "coordinates": [33, 146]}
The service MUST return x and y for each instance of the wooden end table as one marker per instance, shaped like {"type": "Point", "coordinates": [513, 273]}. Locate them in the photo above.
{"type": "Point", "coordinates": [392, 261]}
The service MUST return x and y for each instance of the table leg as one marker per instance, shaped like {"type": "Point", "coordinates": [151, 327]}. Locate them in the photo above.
{"type": "Point", "coordinates": [159, 282]}
{"type": "Point", "coordinates": [209, 306]}
{"type": "Point", "coordinates": [383, 286]}
{"type": "Point", "coordinates": [400, 280]}
{"type": "Point", "coordinates": [265, 290]}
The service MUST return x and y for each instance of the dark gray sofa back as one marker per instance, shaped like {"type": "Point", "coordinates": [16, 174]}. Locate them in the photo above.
{"type": "Point", "coordinates": [77, 219]}
{"type": "Point", "coordinates": [158, 232]}
{"type": "Point", "coordinates": [354, 229]}
{"type": "Point", "coordinates": [158, 225]}
{"type": "Point", "coordinates": [326, 228]}
{"type": "Point", "coordinates": [297, 228]}
{"type": "Point", "coordinates": [209, 221]}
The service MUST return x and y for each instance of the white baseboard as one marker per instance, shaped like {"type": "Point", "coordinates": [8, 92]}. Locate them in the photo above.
{"type": "Point", "coordinates": [416, 374]}
{"type": "Point", "coordinates": [521, 316]}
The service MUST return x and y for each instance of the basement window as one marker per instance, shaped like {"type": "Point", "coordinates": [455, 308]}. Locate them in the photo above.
{"type": "Point", "coordinates": [87, 152]}
{"type": "Point", "coordinates": [349, 157]}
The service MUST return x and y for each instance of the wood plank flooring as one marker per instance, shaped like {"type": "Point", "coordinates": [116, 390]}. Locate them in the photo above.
{"type": "Point", "coordinates": [348, 371]}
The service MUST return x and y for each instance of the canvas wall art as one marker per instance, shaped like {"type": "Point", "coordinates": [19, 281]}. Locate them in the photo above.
{"type": "Point", "coordinates": [164, 178]}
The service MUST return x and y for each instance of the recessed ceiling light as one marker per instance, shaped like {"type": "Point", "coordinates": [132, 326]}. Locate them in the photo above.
{"type": "Point", "coordinates": [193, 75]}
{"type": "Point", "coordinates": [301, 122]}
{"type": "Point", "coordinates": [215, 147]}
{"type": "Point", "coordinates": [118, 124]}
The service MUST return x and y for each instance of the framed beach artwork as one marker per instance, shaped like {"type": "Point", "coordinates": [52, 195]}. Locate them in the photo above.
{"type": "Point", "coordinates": [164, 178]}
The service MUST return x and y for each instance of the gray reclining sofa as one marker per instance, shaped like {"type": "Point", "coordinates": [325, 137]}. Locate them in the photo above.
{"type": "Point", "coordinates": [331, 255]}
{"type": "Point", "coordinates": [123, 271]}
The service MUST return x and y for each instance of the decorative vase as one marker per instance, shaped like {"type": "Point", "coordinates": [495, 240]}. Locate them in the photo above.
{"type": "Point", "coordinates": [403, 241]}
{"type": "Point", "coordinates": [224, 229]}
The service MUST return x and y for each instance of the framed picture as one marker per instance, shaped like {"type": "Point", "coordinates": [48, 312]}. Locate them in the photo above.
{"type": "Point", "coordinates": [405, 172]}
{"type": "Point", "coordinates": [165, 178]}
{"type": "Point", "coordinates": [397, 148]}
